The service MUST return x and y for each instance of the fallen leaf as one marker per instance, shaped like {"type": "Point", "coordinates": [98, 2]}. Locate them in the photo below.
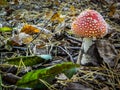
{"type": "Point", "coordinates": [47, 74]}
{"type": "Point", "coordinates": [29, 60]}
{"type": "Point", "coordinates": [112, 9]}
{"type": "Point", "coordinates": [57, 17]}
{"type": "Point", "coordinates": [5, 29]}
{"type": "Point", "coordinates": [106, 51]}
{"type": "Point", "coordinates": [21, 38]}
{"type": "Point", "coordinates": [29, 29]}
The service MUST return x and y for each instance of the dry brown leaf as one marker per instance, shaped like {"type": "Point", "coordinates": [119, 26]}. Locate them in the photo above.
{"type": "Point", "coordinates": [29, 29]}
{"type": "Point", "coordinates": [40, 46]}
{"type": "Point", "coordinates": [107, 51]}
{"type": "Point", "coordinates": [112, 9]}
{"type": "Point", "coordinates": [57, 17]}
{"type": "Point", "coordinates": [21, 38]}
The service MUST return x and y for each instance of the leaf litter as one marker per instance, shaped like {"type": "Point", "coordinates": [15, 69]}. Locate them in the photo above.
{"type": "Point", "coordinates": [43, 27]}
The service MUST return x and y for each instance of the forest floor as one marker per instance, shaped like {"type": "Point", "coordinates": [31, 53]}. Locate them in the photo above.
{"type": "Point", "coordinates": [43, 27]}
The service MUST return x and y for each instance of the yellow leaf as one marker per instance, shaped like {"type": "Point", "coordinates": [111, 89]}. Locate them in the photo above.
{"type": "Point", "coordinates": [72, 10]}
{"type": "Point", "coordinates": [29, 29]}
{"type": "Point", "coordinates": [27, 40]}
{"type": "Point", "coordinates": [57, 17]}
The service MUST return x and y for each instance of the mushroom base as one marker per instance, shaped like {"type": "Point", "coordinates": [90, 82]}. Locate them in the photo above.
{"type": "Point", "coordinates": [84, 58]}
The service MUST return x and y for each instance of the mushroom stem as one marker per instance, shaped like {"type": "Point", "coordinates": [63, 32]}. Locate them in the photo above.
{"type": "Point", "coordinates": [85, 58]}
{"type": "Point", "coordinates": [87, 42]}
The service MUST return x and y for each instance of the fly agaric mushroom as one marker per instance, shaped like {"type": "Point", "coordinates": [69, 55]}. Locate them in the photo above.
{"type": "Point", "coordinates": [89, 24]}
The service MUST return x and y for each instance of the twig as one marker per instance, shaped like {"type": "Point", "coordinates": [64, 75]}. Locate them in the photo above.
{"type": "Point", "coordinates": [71, 58]}
{"type": "Point", "coordinates": [73, 38]}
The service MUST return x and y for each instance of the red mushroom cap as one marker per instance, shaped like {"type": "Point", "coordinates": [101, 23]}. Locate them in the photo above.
{"type": "Point", "coordinates": [90, 24]}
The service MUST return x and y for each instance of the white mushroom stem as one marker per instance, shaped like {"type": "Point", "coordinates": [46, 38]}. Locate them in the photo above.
{"type": "Point", "coordinates": [83, 58]}
{"type": "Point", "coordinates": [87, 42]}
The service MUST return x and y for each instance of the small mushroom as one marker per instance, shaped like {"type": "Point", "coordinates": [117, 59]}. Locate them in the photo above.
{"type": "Point", "coordinates": [89, 25]}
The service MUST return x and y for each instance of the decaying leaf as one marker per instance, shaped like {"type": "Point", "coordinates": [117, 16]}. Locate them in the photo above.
{"type": "Point", "coordinates": [107, 51]}
{"type": "Point", "coordinates": [112, 9]}
{"type": "Point", "coordinates": [21, 38]}
{"type": "Point", "coordinates": [47, 74]}
{"type": "Point", "coordinates": [29, 60]}
{"type": "Point", "coordinates": [57, 17]}
{"type": "Point", "coordinates": [29, 29]}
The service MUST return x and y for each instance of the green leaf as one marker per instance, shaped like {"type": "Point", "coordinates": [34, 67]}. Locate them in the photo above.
{"type": "Point", "coordinates": [5, 29]}
{"type": "Point", "coordinates": [28, 60]}
{"type": "Point", "coordinates": [31, 79]}
{"type": "Point", "coordinates": [70, 72]}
